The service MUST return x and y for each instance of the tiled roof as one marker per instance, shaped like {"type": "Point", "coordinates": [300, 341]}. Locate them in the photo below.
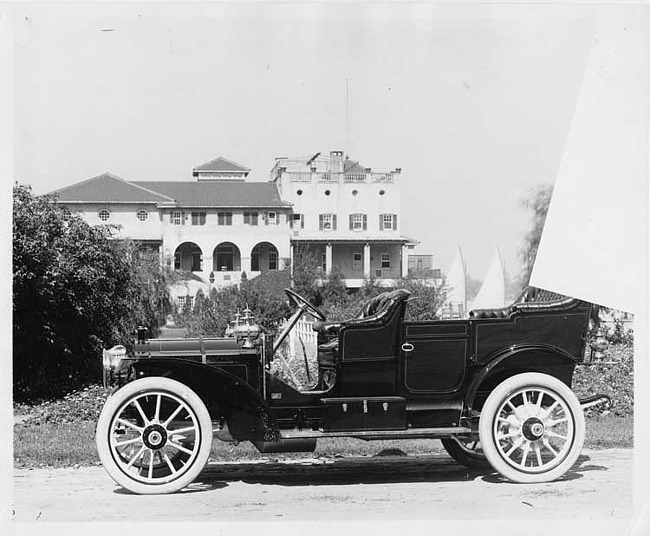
{"type": "Point", "coordinates": [222, 164]}
{"type": "Point", "coordinates": [107, 188]}
{"type": "Point", "coordinates": [222, 193]}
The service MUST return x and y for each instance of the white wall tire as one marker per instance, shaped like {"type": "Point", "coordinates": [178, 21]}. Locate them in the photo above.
{"type": "Point", "coordinates": [532, 428]}
{"type": "Point", "coordinates": [154, 436]}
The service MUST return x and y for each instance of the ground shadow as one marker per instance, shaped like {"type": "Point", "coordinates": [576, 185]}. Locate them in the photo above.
{"type": "Point", "coordinates": [349, 470]}
{"type": "Point", "coordinates": [361, 470]}
{"type": "Point", "coordinates": [577, 471]}
{"type": "Point", "coordinates": [195, 487]}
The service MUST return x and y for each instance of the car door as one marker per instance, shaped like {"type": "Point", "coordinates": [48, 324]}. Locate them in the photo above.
{"type": "Point", "coordinates": [434, 355]}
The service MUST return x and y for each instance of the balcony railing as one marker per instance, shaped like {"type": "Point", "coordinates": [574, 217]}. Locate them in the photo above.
{"type": "Point", "coordinates": [382, 177]}
{"type": "Point", "coordinates": [355, 177]}
{"type": "Point", "coordinates": [331, 176]}
{"type": "Point", "coordinates": [299, 176]}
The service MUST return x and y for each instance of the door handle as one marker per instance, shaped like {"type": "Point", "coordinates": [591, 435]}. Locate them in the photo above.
{"type": "Point", "coordinates": [407, 347]}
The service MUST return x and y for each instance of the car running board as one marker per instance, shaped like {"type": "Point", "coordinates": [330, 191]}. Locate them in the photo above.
{"type": "Point", "coordinates": [594, 400]}
{"type": "Point", "coordinates": [411, 433]}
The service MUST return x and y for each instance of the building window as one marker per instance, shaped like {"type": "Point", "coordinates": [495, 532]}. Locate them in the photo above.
{"type": "Point", "coordinates": [385, 260]}
{"type": "Point", "coordinates": [273, 260]}
{"type": "Point", "coordinates": [355, 192]}
{"type": "Point", "coordinates": [388, 222]}
{"type": "Point", "coordinates": [142, 215]}
{"type": "Point", "coordinates": [185, 301]}
{"type": "Point", "coordinates": [104, 214]}
{"type": "Point", "coordinates": [297, 221]}
{"type": "Point", "coordinates": [250, 218]}
{"type": "Point", "coordinates": [271, 218]}
{"type": "Point", "coordinates": [198, 218]}
{"type": "Point", "coordinates": [299, 192]}
{"type": "Point", "coordinates": [327, 192]}
{"type": "Point", "coordinates": [357, 261]}
{"type": "Point", "coordinates": [176, 217]}
{"type": "Point", "coordinates": [177, 260]}
{"type": "Point", "coordinates": [323, 263]}
{"type": "Point", "coordinates": [358, 222]}
{"type": "Point", "coordinates": [327, 222]}
{"type": "Point", "coordinates": [66, 213]}
{"type": "Point", "coordinates": [226, 258]}
{"type": "Point", "coordinates": [382, 192]}
{"type": "Point", "coordinates": [224, 218]}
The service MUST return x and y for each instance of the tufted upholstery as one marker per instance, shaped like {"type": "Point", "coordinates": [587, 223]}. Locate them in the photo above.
{"type": "Point", "coordinates": [531, 300]}
{"type": "Point", "coordinates": [503, 312]}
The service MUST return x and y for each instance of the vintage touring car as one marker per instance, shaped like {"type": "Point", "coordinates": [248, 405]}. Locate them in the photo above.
{"type": "Point", "coordinates": [495, 388]}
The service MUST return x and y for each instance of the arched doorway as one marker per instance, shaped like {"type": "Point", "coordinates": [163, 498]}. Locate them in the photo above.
{"type": "Point", "coordinates": [226, 258]}
{"type": "Point", "coordinates": [188, 257]}
{"type": "Point", "coordinates": [264, 256]}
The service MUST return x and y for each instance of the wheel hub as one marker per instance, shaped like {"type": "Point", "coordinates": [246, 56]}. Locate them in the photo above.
{"type": "Point", "coordinates": [154, 436]}
{"type": "Point", "coordinates": [533, 429]}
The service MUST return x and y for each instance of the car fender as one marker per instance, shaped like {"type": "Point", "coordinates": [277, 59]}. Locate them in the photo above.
{"type": "Point", "coordinates": [522, 358]}
{"type": "Point", "coordinates": [226, 396]}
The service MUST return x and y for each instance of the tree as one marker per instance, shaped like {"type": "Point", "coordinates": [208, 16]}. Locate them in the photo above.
{"type": "Point", "coordinates": [425, 300]}
{"type": "Point", "coordinates": [75, 291]}
{"type": "Point", "coordinates": [150, 302]}
{"type": "Point", "coordinates": [305, 274]}
{"type": "Point", "coordinates": [333, 290]}
{"type": "Point", "coordinates": [537, 201]}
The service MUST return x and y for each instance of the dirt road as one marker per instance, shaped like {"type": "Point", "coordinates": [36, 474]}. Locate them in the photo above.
{"type": "Point", "coordinates": [599, 487]}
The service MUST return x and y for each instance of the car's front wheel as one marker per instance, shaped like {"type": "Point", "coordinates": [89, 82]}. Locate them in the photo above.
{"type": "Point", "coordinates": [532, 428]}
{"type": "Point", "coordinates": [154, 436]}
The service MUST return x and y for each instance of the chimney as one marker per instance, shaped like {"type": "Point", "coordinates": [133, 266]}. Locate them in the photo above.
{"type": "Point", "coordinates": [336, 161]}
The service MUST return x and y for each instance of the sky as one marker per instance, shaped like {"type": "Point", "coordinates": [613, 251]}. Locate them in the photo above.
{"type": "Point", "coordinates": [473, 102]}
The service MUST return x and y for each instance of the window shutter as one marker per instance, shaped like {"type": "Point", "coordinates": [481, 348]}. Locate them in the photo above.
{"type": "Point", "coordinates": [394, 222]}
{"type": "Point", "coordinates": [171, 217]}
{"type": "Point", "coordinates": [365, 222]}
{"type": "Point", "coordinates": [183, 218]}
{"type": "Point", "coordinates": [381, 222]}
{"type": "Point", "coordinates": [333, 222]}
{"type": "Point", "coordinates": [351, 222]}
{"type": "Point", "coordinates": [320, 222]}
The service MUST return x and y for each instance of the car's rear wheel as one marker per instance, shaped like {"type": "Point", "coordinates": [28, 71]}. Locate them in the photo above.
{"type": "Point", "coordinates": [466, 451]}
{"type": "Point", "coordinates": [154, 436]}
{"type": "Point", "coordinates": [532, 428]}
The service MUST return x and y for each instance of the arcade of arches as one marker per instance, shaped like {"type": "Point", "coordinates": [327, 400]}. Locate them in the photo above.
{"type": "Point", "coordinates": [226, 257]}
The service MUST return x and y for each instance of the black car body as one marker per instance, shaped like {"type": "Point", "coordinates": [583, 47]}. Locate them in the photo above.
{"type": "Point", "coordinates": [495, 388]}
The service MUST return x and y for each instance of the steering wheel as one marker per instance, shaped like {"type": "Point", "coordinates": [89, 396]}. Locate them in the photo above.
{"type": "Point", "coordinates": [303, 304]}
{"type": "Point", "coordinates": [303, 307]}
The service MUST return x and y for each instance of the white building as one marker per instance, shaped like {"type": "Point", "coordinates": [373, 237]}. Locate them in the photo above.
{"type": "Point", "coordinates": [216, 227]}
{"type": "Point", "coordinates": [346, 215]}
{"type": "Point", "coordinates": [219, 225]}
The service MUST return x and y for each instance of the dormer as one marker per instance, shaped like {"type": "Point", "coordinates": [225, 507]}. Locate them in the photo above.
{"type": "Point", "coordinates": [221, 169]}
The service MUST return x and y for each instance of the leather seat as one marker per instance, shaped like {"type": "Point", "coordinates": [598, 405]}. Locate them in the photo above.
{"type": "Point", "coordinates": [376, 312]}
{"type": "Point", "coordinates": [530, 300]}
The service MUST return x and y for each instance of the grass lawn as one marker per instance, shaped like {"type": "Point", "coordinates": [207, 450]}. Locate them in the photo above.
{"type": "Point", "coordinates": [69, 444]}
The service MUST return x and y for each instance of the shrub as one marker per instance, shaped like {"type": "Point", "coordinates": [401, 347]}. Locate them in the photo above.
{"type": "Point", "coordinates": [75, 290]}
{"type": "Point", "coordinates": [616, 333]}
{"type": "Point", "coordinates": [613, 376]}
